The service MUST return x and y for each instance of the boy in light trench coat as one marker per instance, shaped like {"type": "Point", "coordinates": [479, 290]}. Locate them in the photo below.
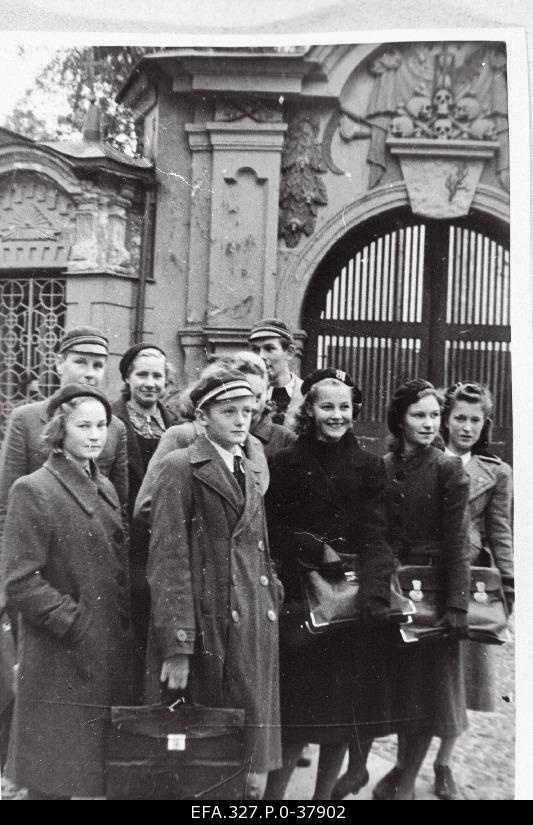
{"type": "Point", "coordinates": [215, 596]}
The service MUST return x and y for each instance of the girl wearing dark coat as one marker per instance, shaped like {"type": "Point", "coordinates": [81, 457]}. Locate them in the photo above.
{"type": "Point", "coordinates": [144, 370]}
{"type": "Point", "coordinates": [466, 428]}
{"type": "Point", "coordinates": [427, 504]}
{"type": "Point", "coordinates": [327, 494]}
{"type": "Point", "coordinates": [65, 572]}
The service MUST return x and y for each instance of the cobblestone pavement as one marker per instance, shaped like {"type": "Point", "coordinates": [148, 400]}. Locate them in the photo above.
{"type": "Point", "coordinates": [484, 756]}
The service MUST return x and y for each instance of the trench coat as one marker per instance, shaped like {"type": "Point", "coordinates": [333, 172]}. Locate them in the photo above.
{"type": "Point", "coordinates": [427, 507]}
{"type": "Point", "coordinates": [334, 683]}
{"type": "Point", "coordinates": [65, 572]}
{"type": "Point", "coordinates": [176, 438]}
{"type": "Point", "coordinates": [491, 543]}
{"type": "Point", "coordinates": [23, 451]}
{"type": "Point", "coordinates": [215, 596]}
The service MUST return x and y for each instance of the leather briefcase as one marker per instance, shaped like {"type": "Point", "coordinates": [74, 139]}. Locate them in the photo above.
{"type": "Point", "coordinates": [177, 752]}
{"type": "Point", "coordinates": [487, 612]}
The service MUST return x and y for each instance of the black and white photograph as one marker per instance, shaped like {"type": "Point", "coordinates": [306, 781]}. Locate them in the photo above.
{"type": "Point", "coordinates": [265, 348]}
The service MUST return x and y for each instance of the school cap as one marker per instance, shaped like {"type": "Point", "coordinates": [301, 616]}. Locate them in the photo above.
{"type": "Point", "coordinates": [85, 339]}
{"type": "Point", "coordinates": [271, 328]}
{"type": "Point", "coordinates": [220, 386]}
{"type": "Point", "coordinates": [71, 391]}
{"type": "Point", "coordinates": [131, 354]}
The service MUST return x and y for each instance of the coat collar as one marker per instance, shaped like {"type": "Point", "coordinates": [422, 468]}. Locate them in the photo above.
{"type": "Point", "coordinates": [135, 460]}
{"type": "Point", "coordinates": [300, 453]}
{"type": "Point", "coordinates": [310, 472]}
{"type": "Point", "coordinates": [83, 489]}
{"type": "Point", "coordinates": [482, 476]}
{"type": "Point", "coordinates": [263, 430]}
{"type": "Point", "coordinates": [211, 470]}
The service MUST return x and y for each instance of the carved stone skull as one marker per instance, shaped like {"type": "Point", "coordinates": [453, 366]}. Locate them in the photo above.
{"type": "Point", "coordinates": [442, 128]}
{"type": "Point", "coordinates": [402, 126]}
{"type": "Point", "coordinates": [419, 107]}
{"type": "Point", "coordinates": [442, 102]}
{"type": "Point", "coordinates": [467, 108]}
{"type": "Point", "coordinates": [483, 129]}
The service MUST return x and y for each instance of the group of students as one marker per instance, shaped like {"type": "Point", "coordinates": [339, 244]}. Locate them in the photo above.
{"type": "Point", "coordinates": [143, 551]}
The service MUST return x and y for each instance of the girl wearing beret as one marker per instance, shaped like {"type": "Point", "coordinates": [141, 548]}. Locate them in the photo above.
{"type": "Point", "coordinates": [466, 428]}
{"type": "Point", "coordinates": [65, 572]}
{"type": "Point", "coordinates": [326, 497]}
{"type": "Point", "coordinates": [427, 504]}
{"type": "Point", "coordinates": [144, 370]}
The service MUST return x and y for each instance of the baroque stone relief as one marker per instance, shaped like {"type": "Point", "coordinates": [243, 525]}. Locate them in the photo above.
{"type": "Point", "coordinates": [36, 222]}
{"type": "Point", "coordinates": [451, 91]}
{"type": "Point", "coordinates": [302, 190]}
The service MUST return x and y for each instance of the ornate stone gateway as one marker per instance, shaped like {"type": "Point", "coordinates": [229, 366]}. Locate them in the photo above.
{"type": "Point", "coordinates": [400, 297]}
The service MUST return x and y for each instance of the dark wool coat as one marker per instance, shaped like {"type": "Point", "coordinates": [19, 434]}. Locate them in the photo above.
{"type": "Point", "coordinates": [490, 500]}
{"type": "Point", "coordinates": [136, 469]}
{"type": "Point", "coordinates": [331, 683]}
{"type": "Point", "coordinates": [23, 451]}
{"type": "Point", "coordinates": [427, 505]}
{"type": "Point", "coordinates": [65, 572]}
{"type": "Point", "coordinates": [214, 593]}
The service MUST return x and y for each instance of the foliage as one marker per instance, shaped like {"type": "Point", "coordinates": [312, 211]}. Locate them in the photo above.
{"type": "Point", "coordinates": [55, 108]}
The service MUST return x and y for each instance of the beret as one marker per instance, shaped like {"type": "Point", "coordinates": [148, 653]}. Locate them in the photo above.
{"type": "Point", "coordinates": [329, 372]}
{"type": "Point", "coordinates": [71, 391]}
{"type": "Point", "coordinates": [271, 328]}
{"type": "Point", "coordinates": [220, 386]}
{"type": "Point", "coordinates": [85, 339]}
{"type": "Point", "coordinates": [130, 355]}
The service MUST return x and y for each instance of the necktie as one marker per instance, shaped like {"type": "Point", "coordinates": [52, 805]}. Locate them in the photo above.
{"type": "Point", "coordinates": [238, 472]}
{"type": "Point", "coordinates": [281, 398]}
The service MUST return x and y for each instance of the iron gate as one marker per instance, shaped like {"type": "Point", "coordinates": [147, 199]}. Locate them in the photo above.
{"type": "Point", "coordinates": [32, 317]}
{"type": "Point", "coordinates": [403, 297]}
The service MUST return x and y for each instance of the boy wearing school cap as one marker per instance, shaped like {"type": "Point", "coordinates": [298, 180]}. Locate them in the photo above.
{"type": "Point", "coordinates": [273, 341]}
{"type": "Point", "coordinates": [215, 596]}
{"type": "Point", "coordinates": [81, 359]}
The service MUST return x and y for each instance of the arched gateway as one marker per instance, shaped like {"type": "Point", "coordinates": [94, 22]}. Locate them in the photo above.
{"type": "Point", "coordinates": [400, 296]}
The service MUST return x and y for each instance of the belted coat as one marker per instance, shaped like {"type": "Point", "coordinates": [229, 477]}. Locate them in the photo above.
{"type": "Point", "coordinates": [65, 572]}
{"type": "Point", "coordinates": [214, 593]}
{"type": "Point", "coordinates": [491, 542]}
{"type": "Point", "coordinates": [427, 508]}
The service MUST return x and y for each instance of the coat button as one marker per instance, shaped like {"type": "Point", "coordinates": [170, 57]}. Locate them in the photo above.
{"type": "Point", "coordinates": [260, 546]}
{"type": "Point", "coordinates": [181, 635]}
{"type": "Point", "coordinates": [118, 536]}
{"type": "Point", "coordinates": [235, 616]}
{"type": "Point", "coordinates": [264, 580]}
{"type": "Point", "coordinates": [271, 615]}
{"type": "Point", "coordinates": [233, 579]}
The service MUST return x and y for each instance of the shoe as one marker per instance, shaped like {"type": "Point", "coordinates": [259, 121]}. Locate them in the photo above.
{"type": "Point", "coordinates": [386, 787]}
{"type": "Point", "coordinates": [445, 787]}
{"type": "Point", "coordinates": [305, 759]}
{"type": "Point", "coordinates": [346, 784]}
